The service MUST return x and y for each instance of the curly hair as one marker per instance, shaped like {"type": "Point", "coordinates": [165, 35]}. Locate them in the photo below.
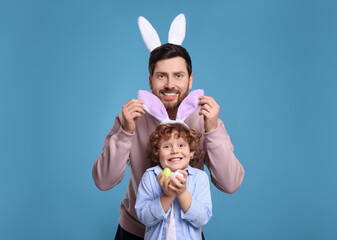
{"type": "Point", "coordinates": [164, 132]}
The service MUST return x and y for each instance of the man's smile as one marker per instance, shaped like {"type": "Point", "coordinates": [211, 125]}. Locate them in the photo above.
{"type": "Point", "coordinates": [169, 95]}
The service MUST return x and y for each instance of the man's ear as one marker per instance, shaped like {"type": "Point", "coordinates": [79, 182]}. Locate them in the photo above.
{"type": "Point", "coordinates": [190, 83]}
{"type": "Point", "coordinates": [150, 82]}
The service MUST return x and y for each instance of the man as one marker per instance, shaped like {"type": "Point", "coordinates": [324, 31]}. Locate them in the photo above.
{"type": "Point", "coordinates": [170, 80]}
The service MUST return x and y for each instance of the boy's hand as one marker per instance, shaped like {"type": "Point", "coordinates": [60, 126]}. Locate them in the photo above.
{"type": "Point", "coordinates": [179, 184]}
{"type": "Point", "coordinates": [210, 110]}
{"type": "Point", "coordinates": [131, 111]}
{"type": "Point", "coordinates": [165, 185]}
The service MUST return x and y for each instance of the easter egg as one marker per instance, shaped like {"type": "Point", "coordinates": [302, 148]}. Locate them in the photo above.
{"type": "Point", "coordinates": [167, 172]}
{"type": "Point", "coordinates": [177, 173]}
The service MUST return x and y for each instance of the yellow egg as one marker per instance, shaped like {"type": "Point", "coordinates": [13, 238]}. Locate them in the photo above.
{"type": "Point", "coordinates": [167, 172]}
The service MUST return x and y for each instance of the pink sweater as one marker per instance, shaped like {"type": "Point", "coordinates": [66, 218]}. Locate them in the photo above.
{"type": "Point", "coordinates": [121, 149]}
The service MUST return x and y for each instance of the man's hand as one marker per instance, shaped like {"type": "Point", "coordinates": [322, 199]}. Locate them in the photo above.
{"type": "Point", "coordinates": [210, 110]}
{"type": "Point", "coordinates": [131, 111]}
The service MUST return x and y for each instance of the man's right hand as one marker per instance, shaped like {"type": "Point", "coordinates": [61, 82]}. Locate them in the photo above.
{"type": "Point", "coordinates": [131, 111]}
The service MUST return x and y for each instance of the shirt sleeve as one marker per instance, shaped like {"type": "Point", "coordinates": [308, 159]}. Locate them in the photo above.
{"type": "Point", "coordinates": [226, 171]}
{"type": "Point", "coordinates": [109, 168]}
{"type": "Point", "coordinates": [200, 210]}
{"type": "Point", "coordinates": [148, 206]}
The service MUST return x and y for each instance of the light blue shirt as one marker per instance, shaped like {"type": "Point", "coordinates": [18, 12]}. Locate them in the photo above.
{"type": "Point", "coordinates": [188, 225]}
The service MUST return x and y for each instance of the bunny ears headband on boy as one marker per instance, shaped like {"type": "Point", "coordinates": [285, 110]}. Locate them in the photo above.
{"type": "Point", "coordinates": [151, 38]}
{"type": "Point", "coordinates": [154, 106]}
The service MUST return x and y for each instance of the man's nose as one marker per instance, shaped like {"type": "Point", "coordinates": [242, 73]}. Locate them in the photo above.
{"type": "Point", "coordinates": [169, 83]}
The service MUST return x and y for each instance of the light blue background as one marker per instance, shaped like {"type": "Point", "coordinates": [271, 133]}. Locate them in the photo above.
{"type": "Point", "coordinates": [67, 67]}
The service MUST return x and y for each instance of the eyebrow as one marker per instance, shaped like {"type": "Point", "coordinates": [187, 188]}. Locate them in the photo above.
{"type": "Point", "coordinates": [165, 73]}
{"type": "Point", "coordinates": [181, 72]}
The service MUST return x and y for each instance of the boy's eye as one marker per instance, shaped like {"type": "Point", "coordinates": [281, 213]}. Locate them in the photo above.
{"type": "Point", "coordinates": [166, 146]}
{"type": "Point", "coordinates": [181, 145]}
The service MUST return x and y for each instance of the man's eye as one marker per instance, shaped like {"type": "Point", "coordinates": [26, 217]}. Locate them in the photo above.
{"type": "Point", "coordinates": [179, 76]}
{"type": "Point", "coordinates": [161, 76]}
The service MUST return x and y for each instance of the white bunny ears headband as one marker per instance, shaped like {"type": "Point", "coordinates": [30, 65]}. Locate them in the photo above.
{"type": "Point", "coordinates": [150, 36]}
{"type": "Point", "coordinates": [154, 106]}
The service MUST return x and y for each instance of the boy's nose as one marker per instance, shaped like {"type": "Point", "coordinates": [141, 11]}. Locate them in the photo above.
{"type": "Point", "coordinates": [174, 150]}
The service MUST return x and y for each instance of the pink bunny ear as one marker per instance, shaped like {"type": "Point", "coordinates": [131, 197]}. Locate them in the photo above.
{"type": "Point", "coordinates": [153, 105]}
{"type": "Point", "coordinates": [189, 104]}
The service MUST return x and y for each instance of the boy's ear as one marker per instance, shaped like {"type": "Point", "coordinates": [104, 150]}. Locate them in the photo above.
{"type": "Point", "coordinates": [153, 105]}
{"type": "Point", "coordinates": [192, 155]}
{"type": "Point", "coordinates": [189, 104]}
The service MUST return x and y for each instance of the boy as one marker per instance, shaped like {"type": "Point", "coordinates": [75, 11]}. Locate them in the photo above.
{"type": "Point", "coordinates": [174, 208]}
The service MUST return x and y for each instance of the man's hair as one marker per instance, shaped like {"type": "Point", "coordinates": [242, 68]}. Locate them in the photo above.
{"type": "Point", "coordinates": [164, 132]}
{"type": "Point", "coordinates": [167, 51]}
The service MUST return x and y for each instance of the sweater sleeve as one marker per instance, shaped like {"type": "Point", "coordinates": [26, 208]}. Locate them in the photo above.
{"type": "Point", "coordinates": [109, 168]}
{"type": "Point", "coordinates": [226, 171]}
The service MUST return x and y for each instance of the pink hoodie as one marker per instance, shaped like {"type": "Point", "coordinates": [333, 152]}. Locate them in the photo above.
{"type": "Point", "coordinates": [121, 149]}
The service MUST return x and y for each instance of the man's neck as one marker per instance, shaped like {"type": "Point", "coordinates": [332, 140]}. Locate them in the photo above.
{"type": "Point", "coordinates": [172, 113]}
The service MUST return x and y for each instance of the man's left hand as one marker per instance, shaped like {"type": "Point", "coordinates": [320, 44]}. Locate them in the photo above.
{"type": "Point", "coordinates": [210, 110]}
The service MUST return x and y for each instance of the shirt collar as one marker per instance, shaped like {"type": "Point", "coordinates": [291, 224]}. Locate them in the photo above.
{"type": "Point", "coordinates": [157, 169]}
